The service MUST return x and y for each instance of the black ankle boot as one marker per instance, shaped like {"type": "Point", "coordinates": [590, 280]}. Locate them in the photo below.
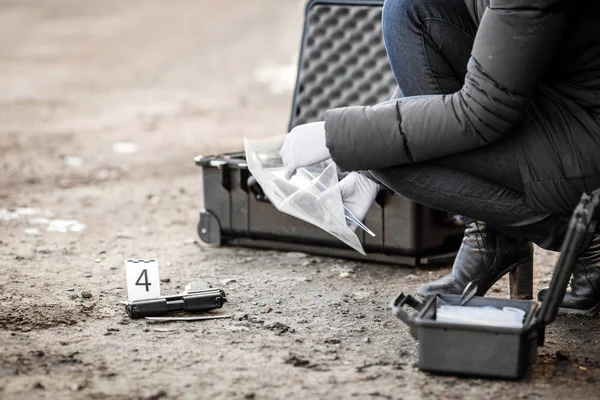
{"type": "Point", "coordinates": [583, 297]}
{"type": "Point", "coordinates": [484, 257]}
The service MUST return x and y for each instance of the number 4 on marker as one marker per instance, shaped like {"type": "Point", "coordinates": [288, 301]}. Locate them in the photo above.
{"type": "Point", "coordinates": [145, 283]}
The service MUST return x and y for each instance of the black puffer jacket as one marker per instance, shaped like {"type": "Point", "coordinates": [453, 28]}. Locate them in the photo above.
{"type": "Point", "coordinates": [534, 73]}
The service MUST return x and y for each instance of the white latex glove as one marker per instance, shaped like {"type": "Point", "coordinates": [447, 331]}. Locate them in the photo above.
{"type": "Point", "coordinates": [358, 194]}
{"type": "Point", "coordinates": [304, 146]}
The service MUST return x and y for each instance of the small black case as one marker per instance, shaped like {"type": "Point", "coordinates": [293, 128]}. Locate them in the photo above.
{"type": "Point", "coordinates": [499, 352]}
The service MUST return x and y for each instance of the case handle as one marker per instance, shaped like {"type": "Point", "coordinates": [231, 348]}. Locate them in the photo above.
{"type": "Point", "coordinates": [255, 188]}
{"type": "Point", "coordinates": [398, 305]}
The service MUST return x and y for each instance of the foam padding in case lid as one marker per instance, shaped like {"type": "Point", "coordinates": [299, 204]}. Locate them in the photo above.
{"type": "Point", "coordinates": [343, 61]}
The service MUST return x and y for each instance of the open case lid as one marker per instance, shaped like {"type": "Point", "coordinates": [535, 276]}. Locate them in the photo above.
{"type": "Point", "coordinates": [571, 248]}
{"type": "Point", "coordinates": [569, 251]}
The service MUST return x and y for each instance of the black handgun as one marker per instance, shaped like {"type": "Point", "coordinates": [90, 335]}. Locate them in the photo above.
{"type": "Point", "coordinates": [192, 299]}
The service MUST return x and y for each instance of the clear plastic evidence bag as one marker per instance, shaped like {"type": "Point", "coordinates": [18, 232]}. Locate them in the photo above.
{"type": "Point", "coordinates": [312, 194]}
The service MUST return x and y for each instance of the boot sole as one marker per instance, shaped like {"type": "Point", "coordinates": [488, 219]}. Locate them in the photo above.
{"type": "Point", "coordinates": [592, 312]}
{"type": "Point", "coordinates": [496, 279]}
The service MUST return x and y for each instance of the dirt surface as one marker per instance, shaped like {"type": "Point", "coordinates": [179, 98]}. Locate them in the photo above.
{"type": "Point", "coordinates": [175, 79]}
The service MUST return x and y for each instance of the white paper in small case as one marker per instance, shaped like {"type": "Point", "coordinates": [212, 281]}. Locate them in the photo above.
{"type": "Point", "coordinates": [508, 317]}
{"type": "Point", "coordinates": [143, 281]}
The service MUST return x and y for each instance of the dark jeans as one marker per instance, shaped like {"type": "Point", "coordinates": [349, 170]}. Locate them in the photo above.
{"type": "Point", "coordinates": [428, 44]}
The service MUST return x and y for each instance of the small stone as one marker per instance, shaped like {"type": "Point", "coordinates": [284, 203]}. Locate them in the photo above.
{"type": "Point", "coordinates": [87, 276]}
{"type": "Point", "coordinates": [76, 387]}
{"type": "Point", "coordinates": [73, 296]}
{"type": "Point", "coordinates": [86, 294]}
{"type": "Point", "coordinates": [295, 254]}
{"type": "Point", "coordinates": [256, 320]}
{"type": "Point", "coordinates": [410, 277]}
{"type": "Point", "coordinates": [226, 282]}
{"type": "Point", "coordinates": [333, 341]}
{"type": "Point", "coordinates": [348, 268]}
{"type": "Point", "coordinates": [240, 316]}
{"type": "Point", "coordinates": [32, 232]}
{"type": "Point", "coordinates": [268, 309]}
{"type": "Point", "coordinates": [563, 355]}
{"type": "Point", "coordinates": [345, 275]}
{"type": "Point", "coordinates": [296, 361]}
{"type": "Point", "coordinates": [124, 147]}
{"type": "Point", "coordinates": [73, 161]}
{"type": "Point", "coordinates": [42, 250]}
{"type": "Point", "coordinates": [361, 295]}
{"type": "Point", "coordinates": [38, 385]}
{"type": "Point", "coordinates": [367, 340]}
{"type": "Point", "coordinates": [165, 280]}
{"type": "Point", "coordinates": [158, 395]}
{"type": "Point", "coordinates": [111, 329]}
{"type": "Point", "coordinates": [72, 289]}
{"type": "Point", "coordinates": [249, 396]}
{"type": "Point", "coordinates": [169, 264]}
{"type": "Point", "coordinates": [279, 328]}
{"type": "Point", "coordinates": [238, 328]}
{"type": "Point", "coordinates": [39, 353]}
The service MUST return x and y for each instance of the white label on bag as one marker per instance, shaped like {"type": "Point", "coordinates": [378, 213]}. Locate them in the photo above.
{"type": "Point", "coordinates": [143, 281]}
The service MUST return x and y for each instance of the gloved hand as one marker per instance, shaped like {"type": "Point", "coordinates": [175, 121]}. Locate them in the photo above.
{"type": "Point", "coordinates": [358, 194]}
{"type": "Point", "coordinates": [303, 146]}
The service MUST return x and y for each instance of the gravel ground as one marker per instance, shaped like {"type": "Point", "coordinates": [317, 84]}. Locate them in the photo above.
{"type": "Point", "coordinates": [103, 107]}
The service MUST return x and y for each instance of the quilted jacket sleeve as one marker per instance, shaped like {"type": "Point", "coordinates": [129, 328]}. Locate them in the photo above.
{"type": "Point", "coordinates": [515, 42]}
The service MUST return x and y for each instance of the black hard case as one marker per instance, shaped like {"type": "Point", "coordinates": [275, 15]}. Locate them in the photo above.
{"type": "Point", "coordinates": [493, 351]}
{"type": "Point", "coordinates": [342, 62]}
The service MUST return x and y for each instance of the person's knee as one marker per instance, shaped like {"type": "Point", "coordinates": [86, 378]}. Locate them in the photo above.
{"type": "Point", "coordinates": [397, 13]}
{"type": "Point", "coordinates": [405, 13]}
{"type": "Point", "coordinates": [402, 12]}
{"type": "Point", "coordinates": [402, 16]}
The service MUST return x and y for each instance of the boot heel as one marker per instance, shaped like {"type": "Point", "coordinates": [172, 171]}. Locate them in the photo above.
{"type": "Point", "coordinates": [521, 281]}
